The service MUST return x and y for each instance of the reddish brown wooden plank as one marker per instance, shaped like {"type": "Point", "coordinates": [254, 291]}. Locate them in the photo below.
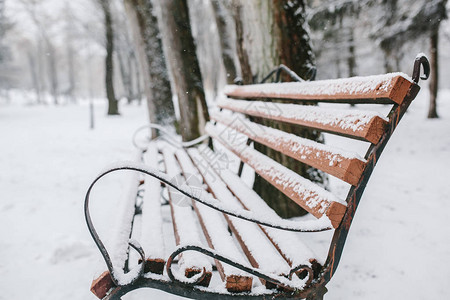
{"type": "Point", "coordinates": [216, 233]}
{"type": "Point", "coordinates": [259, 251]}
{"type": "Point", "coordinates": [400, 89]}
{"type": "Point", "coordinates": [189, 272]}
{"type": "Point", "coordinates": [311, 197]}
{"type": "Point", "coordinates": [177, 214]}
{"type": "Point", "coordinates": [363, 125]}
{"type": "Point", "coordinates": [288, 244]}
{"type": "Point", "coordinates": [102, 285]}
{"type": "Point", "coordinates": [248, 253]}
{"type": "Point", "coordinates": [154, 266]}
{"type": "Point", "coordinates": [345, 166]}
{"type": "Point", "coordinates": [370, 89]}
{"type": "Point", "coordinates": [151, 226]}
{"type": "Point", "coordinates": [233, 283]}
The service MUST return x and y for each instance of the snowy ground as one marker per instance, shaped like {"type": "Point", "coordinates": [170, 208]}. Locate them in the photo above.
{"type": "Point", "coordinates": [398, 247]}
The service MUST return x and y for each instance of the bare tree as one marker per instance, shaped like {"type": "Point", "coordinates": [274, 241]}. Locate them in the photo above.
{"type": "Point", "coordinates": [411, 22]}
{"type": "Point", "coordinates": [334, 24]}
{"type": "Point", "coordinates": [434, 78]}
{"type": "Point", "coordinates": [3, 28]}
{"type": "Point", "coordinates": [5, 52]}
{"type": "Point", "coordinates": [50, 51]}
{"type": "Point", "coordinates": [152, 61]}
{"type": "Point", "coordinates": [125, 53]}
{"type": "Point", "coordinates": [247, 75]}
{"type": "Point", "coordinates": [69, 32]}
{"type": "Point", "coordinates": [226, 46]}
{"type": "Point", "coordinates": [113, 108]}
{"type": "Point", "coordinates": [289, 44]}
{"type": "Point", "coordinates": [34, 72]}
{"type": "Point", "coordinates": [185, 70]}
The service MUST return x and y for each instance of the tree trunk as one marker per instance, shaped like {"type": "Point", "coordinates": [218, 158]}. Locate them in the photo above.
{"type": "Point", "coordinates": [185, 69]}
{"type": "Point", "coordinates": [133, 78]}
{"type": "Point", "coordinates": [52, 71]}
{"type": "Point", "coordinates": [152, 61]}
{"type": "Point", "coordinates": [351, 60]}
{"type": "Point", "coordinates": [70, 23]}
{"type": "Point", "coordinates": [71, 72]}
{"type": "Point", "coordinates": [246, 71]}
{"type": "Point", "coordinates": [434, 78]}
{"type": "Point", "coordinates": [137, 77]}
{"type": "Point", "coordinates": [125, 72]}
{"type": "Point", "coordinates": [34, 76]}
{"type": "Point", "coordinates": [289, 44]}
{"type": "Point", "coordinates": [226, 48]}
{"type": "Point", "coordinates": [113, 108]}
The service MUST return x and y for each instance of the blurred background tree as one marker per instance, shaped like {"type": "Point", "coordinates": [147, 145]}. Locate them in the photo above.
{"type": "Point", "coordinates": [396, 27]}
{"type": "Point", "coordinates": [56, 49]}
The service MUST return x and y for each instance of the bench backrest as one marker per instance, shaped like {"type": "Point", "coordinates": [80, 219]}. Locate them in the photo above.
{"type": "Point", "coordinates": [289, 103]}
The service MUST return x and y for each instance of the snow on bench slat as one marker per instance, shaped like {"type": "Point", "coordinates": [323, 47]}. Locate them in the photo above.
{"type": "Point", "coordinates": [344, 165]}
{"type": "Point", "coordinates": [287, 243]}
{"type": "Point", "coordinates": [365, 125]}
{"type": "Point", "coordinates": [392, 87]}
{"type": "Point", "coordinates": [308, 195]}
{"type": "Point", "coordinates": [216, 232]}
{"type": "Point", "coordinates": [259, 250]}
{"type": "Point", "coordinates": [126, 209]}
{"type": "Point", "coordinates": [291, 225]}
{"type": "Point", "coordinates": [184, 223]}
{"type": "Point", "coordinates": [152, 235]}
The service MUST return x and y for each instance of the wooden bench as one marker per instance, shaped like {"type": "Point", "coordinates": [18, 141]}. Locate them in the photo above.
{"type": "Point", "coordinates": [229, 242]}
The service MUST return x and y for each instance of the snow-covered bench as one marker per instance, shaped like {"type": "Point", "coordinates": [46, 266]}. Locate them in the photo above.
{"type": "Point", "coordinates": [229, 242]}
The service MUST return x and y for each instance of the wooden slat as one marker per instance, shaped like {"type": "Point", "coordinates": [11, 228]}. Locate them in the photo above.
{"type": "Point", "coordinates": [215, 233]}
{"type": "Point", "coordinates": [259, 250]}
{"type": "Point", "coordinates": [152, 239]}
{"type": "Point", "coordinates": [126, 209]}
{"type": "Point", "coordinates": [215, 229]}
{"type": "Point", "coordinates": [185, 227]}
{"type": "Point", "coordinates": [308, 195]}
{"type": "Point", "coordinates": [388, 88]}
{"type": "Point", "coordinates": [363, 125]}
{"type": "Point", "coordinates": [293, 250]}
{"type": "Point", "coordinates": [101, 286]}
{"type": "Point", "coordinates": [344, 165]}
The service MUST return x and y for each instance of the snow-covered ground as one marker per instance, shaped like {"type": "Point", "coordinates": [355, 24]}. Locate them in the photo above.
{"type": "Point", "coordinates": [398, 247]}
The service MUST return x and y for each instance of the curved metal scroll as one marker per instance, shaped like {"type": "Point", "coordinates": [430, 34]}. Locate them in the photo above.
{"type": "Point", "coordinates": [311, 74]}
{"type": "Point", "coordinates": [277, 72]}
{"type": "Point", "coordinates": [168, 137]}
{"type": "Point", "coordinates": [132, 243]}
{"type": "Point", "coordinates": [421, 60]}
{"type": "Point", "coordinates": [164, 178]}
{"type": "Point", "coordinates": [250, 270]}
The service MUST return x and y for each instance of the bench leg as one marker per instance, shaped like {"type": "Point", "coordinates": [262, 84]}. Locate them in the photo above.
{"type": "Point", "coordinates": [319, 293]}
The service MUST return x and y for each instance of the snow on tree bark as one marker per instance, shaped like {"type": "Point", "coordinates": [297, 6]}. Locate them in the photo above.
{"type": "Point", "coordinates": [226, 47]}
{"type": "Point", "coordinates": [247, 77]}
{"type": "Point", "coordinates": [152, 61]}
{"type": "Point", "coordinates": [185, 70]}
{"type": "Point", "coordinates": [113, 108]}
{"type": "Point", "coordinates": [288, 44]}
